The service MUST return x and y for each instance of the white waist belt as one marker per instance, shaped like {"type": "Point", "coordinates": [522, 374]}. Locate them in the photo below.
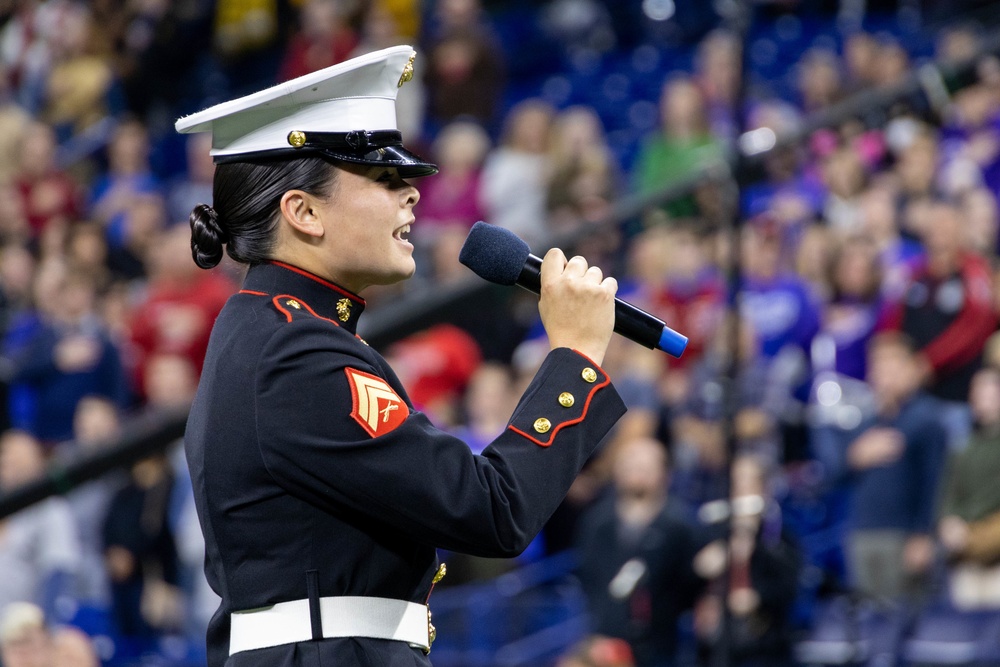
{"type": "Point", "coordinates": [345, 616]}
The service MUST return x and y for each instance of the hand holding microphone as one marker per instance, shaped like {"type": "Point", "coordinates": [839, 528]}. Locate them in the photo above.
{"type": "Point", "coordinates": [499, 256]}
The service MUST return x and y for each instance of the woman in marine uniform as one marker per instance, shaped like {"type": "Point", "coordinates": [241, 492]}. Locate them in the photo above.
{"type": "Point", "coordinates": [321, 492]}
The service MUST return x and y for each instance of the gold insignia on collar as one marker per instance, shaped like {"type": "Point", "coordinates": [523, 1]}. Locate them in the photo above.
{"type": "Point", "coordinates": [297, 138]}
{"type": "Point", "coordinates": [344, 310]}
{"type": "Point", "coordinates": [294, 304]}
{"type": "Point", "coordinates": [407, 72]}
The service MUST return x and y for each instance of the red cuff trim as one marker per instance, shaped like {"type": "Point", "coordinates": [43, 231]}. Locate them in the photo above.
{"type": "Point", "coordinates": [586, 406]}
{"type": "Point", "coordinates": [288, 315]}
{"type": "Point", "coordinates": [592, 362]}
{"type": "Point", "coordinates": [250, 291]}
{"type": "Point", "coordinates": [321, 281]}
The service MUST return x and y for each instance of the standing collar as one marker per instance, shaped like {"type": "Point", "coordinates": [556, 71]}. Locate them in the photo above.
{"type": "Point", "coordinates": [324, 298]}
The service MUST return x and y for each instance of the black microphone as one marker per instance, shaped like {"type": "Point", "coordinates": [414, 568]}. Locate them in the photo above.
{"type": "Point", "coordinates": [499, 256]}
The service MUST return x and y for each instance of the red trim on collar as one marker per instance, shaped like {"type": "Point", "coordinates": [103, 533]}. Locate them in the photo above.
{"type": "Point", "coordinates": [321, 281]}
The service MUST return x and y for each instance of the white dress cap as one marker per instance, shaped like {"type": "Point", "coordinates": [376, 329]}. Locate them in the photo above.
{"type": "Point", "coordinates": [346, 112]}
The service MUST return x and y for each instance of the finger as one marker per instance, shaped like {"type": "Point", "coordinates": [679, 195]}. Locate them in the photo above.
{"type": "Point", "coordinates": [553, 265]}
{"type": "Point", "coordinates": [576, 267]}
{"type": "Point", "coordinates": [594, 275]}
{"type": "Point", "coordinates": [610, 284]}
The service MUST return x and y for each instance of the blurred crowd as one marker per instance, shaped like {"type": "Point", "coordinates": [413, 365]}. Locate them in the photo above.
{"type": "Point", "coordinates": [864, 446]}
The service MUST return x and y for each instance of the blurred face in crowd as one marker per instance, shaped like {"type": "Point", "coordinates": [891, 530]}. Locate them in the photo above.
{"type": "Point", "coordinates": [37, 149]}
{"type": "Point", "coordinates": [892, 370]}
{"type": "Point", "coordinates": [461, 147]}
{"type": "Point", "coordinates": [21, 459]}
{"type": "Point", "coordinates": [95, 420]}
{"type": "Point", "coordinates": [128, 152]}
{"type": "Point", "coordinates": [76, 298]}
{"type": "Point", "coordinates": [917, 166]}
{"type": "Point", "coordinates": [861, 55]}
{"type": "Point", "coordinates": [488, 399]}
{"type": "Point", "coordinates": [878, 214]}
{"type": "Point", "coordinates": [17, 267]}
{"type": "Point", "coordinates": [761, 249]}
{"type": "Point", "coordinates": [943, 237]}
{"type": "Point", "coordinates": [529, 127]}
{"type": "Point", "coordinates": [682, 110]}
{"type": "Point", "coordinates": [201, 167]}
{"type": "Point", "coordinates": [640, 469]}
{"type": "Point", "coordinates": [843, 173]}
{"type": "Point", "coordinates": [855, 272]}
{"type": "Point", "coordinates": [170, 380]}
{"type": "Point", "coordinates": [719, 65]}
{"type": "Point", "coordinates": [819, 79]}
{"type": "Point", "coordinates": [984, 397]}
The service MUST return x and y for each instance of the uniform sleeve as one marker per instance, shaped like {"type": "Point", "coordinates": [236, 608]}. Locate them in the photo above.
{"type": "Point", "coordinates": [312, 400]}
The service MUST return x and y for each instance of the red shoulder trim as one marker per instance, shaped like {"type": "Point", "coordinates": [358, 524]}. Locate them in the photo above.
{"type": "Point", "coordinates": [321, 281]}
{"type": "Point", "coordinates": [586, 406]}
{"type": "Point", "coordinates": [288, 297]}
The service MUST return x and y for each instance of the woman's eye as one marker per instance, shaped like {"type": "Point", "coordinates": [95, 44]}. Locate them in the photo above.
{"type": "Point", "coordinates": [386, 177]}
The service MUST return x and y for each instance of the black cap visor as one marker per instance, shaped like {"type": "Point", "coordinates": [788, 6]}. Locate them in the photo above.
{"type": "Point", "coordinates": [383, 148]}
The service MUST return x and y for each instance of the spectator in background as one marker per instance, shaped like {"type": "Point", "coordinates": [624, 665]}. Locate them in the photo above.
{"type": "Point", "coordinates": [194, 185]}
{"type": "Point", "coordinates": [982, 222]}
{"type": "Point", "coordinates": [324, 38]}
{"type": "Point", "coordinates": [78, 85]}
{"type": "Point", "coordinates": [685, 141]}
{"type": "Point", "coordinates": [69, 356]}
{"type": "Point", "coordinates": [583, 176]}
{"type": "Point", "coordinates": [717, 73]}
{"type": "Point", "coordinates": [893, 463]}
{"type": "Point", "coordinates": [849, 318]}
{"type": "Point", "coordinates": [49, 197]}
{"type": "Point", "coordinates": [466, 72]}
{"type": "Point", "coordinates": [13, 121]}
{"type": "Point", "coordinates": [141, 226]}
{"type": "Point", "coordinates": [489, 401]}
{"type": "Point", "coordinates": [514, 178]}
{"type": "Point", "coordinates": [452, 196]}
{"type": "Point", "coordinates": [87, 252]}
{"type": "Point", "coordinates": [635, 553]}
{"type": "Point", "coordinates": [818, 80]}
{"type": "Point", "coordinates": [948, 312]}
{"type": "Point", "coordinates": [778, 303]}
{"type": "Point", "coordinates": [763, 566]}
{"type": "Point", "coordinates": [176, 314]}
{"type": "Point", "coordinates": [127, 180]}
{"type": "Point", "coordinates": [140, 554]}
{"type": "Point", "coordinates": [95, 427]}
{"type": "Point", "coordinates": [39, 549]}
{"type": "Point", "coordinates": [597, 651]}
{"type": "Point", "coordinates": [24, 639]}
{"type": "Point", "coordinates": [700, 445]}
{"type": "Point", "coordinates": [896, 253]}
{"type": "Point", "coordinates": [969, 512]}
{"type": "Point", "coordinates": [844, 176]}
{"type": "Point", "coordinates": [861, 52]}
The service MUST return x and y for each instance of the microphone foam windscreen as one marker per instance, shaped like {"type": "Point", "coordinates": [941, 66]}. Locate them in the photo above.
{"type": "Point", "coordinates": [494, 253]}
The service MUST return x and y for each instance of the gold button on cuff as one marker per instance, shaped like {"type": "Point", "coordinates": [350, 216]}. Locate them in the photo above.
{"type": "Point", "coordinates": [589, 375]}
{"type": "Point", "coordinates": [566, 399]}
{"type": "Point", "coordinates": [542, 425]}
{"type": "Point", "coordinates": [294, 304]}
{"type": "Point", "coordinates": [442, 571]}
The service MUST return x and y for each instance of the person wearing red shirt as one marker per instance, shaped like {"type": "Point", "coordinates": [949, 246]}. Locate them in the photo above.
{"type": "Point", "coordinates": [947, 309]}
{"type": "Point", "coordinates": [182, 303]}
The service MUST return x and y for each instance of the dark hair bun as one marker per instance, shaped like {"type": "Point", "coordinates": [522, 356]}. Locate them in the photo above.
{"type": "Point", "coordinates": [207, 236]}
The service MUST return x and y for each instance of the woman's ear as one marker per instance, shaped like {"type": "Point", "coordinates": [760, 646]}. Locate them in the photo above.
{"type": "Point", "coordinates": [299, 210]}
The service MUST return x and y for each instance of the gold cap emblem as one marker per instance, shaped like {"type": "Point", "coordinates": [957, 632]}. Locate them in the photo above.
{"type": "Point", "coordinates": [589, 375]}
{"type": "Point", "coordinates": [407, 72]}
{"type": "Point", "coordinates": [566, 399]}
{"type": "Point", "coordinates": [294, 304]}
{"type": "Point", "coordinates": [297, 138]}
{"type": "Point", "coordinates": [542, 425]}
{"type": "Point", "coordinates": [344, 310]}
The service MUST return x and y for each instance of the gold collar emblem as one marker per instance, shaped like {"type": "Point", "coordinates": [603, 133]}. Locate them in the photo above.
{"type": "Point", "coordinates": [344, 310]}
